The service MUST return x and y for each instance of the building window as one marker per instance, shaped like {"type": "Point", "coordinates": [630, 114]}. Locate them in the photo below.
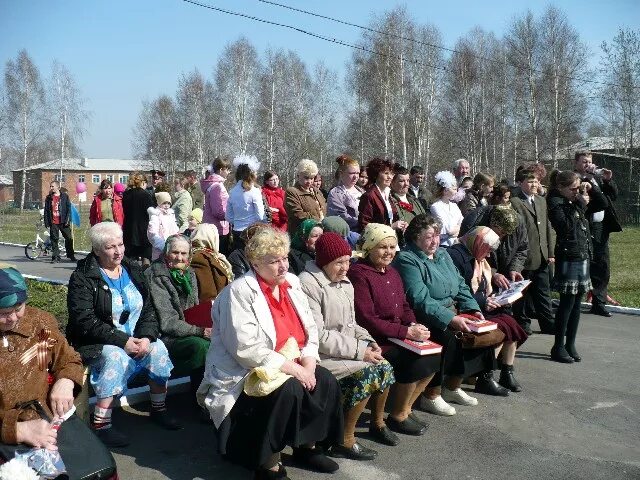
{"type": "Point", "coordinates": [109, 177]}
{"type": "Point", "coordinates": [124, 179]}
{"type": "Point", "coordinates": [59, 178]}
{"type": "Point", "coordinates": [81, 178]}
{"type": "Point", "coordinates": [95, 178]}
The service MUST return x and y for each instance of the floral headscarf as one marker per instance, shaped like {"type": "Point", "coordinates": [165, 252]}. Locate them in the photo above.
{"type": "Point", "coordinates": [303, 232]}
{"type": "Point", "coordinates": [481, 241]}
{"type": "Point", "coordinates": [373, 234]}
{"type": "Point", "coordinates": [205, 238]}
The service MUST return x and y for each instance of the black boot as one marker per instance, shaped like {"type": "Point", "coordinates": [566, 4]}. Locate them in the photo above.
{"type": "Point", "coordinates": [487, 385]}
{"type": "Point", "coordinates": [572, 331]}
{"type": "Point", "coordinates": [571, 350]}
{"type": "Point", "coordinates": [559, 354]}
{"type": "Point", "coordinates": [508, 379]}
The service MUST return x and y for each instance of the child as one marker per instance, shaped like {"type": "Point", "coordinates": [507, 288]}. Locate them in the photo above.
{"type": "Point", "coordinates": [162, 223]}
{"type": "Point", "coordinates": [194, 219]}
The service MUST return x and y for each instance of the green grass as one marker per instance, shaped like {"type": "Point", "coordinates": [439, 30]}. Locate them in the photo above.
{"type": "Point", "coordinates": [50, 298]}
{"type": "Point", "coordinates": [625, 267]}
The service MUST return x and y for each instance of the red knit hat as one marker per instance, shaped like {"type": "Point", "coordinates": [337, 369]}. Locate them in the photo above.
{"type": "Point", "coordinates": [329, 247]}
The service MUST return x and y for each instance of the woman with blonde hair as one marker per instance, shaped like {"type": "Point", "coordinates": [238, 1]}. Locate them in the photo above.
{"type": "Point", "coordinates": [245, 205]}
{"type": "Point", "coordinates": [303, 200]}
{"type": "Point", "coordinates": [343, 199]}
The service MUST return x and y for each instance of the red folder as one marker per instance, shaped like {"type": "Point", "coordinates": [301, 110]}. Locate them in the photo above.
{"type": "Point", "coordinates": [199, 315]}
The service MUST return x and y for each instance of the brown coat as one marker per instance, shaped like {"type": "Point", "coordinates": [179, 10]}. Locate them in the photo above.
{"type": "Point", "coordinates": [211, 274]}
{"type": "Point", "coordinates": [22, 383]}
{"type": "Point", "coordinates": [301, 205]}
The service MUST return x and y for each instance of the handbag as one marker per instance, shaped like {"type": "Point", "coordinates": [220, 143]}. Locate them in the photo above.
{"type": "Point", "coordinates": [480, 340]}
{"type": "Point", "coordinates": [84, 455]}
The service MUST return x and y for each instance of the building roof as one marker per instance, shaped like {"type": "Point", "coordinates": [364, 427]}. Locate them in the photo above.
{"type": "Point", "coordinates": [6, 180]}
{"type": "Point", "coordinates": [88, 165]}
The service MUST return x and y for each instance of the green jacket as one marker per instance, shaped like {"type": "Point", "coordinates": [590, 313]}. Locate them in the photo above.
{"type": "Point", "coordinates": [433, 286]}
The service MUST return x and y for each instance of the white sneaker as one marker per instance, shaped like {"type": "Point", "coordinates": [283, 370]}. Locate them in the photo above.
{"type": "Point", "coordinates": [459, 396]}
{"type": "Point", "coordinates": [437, 406]}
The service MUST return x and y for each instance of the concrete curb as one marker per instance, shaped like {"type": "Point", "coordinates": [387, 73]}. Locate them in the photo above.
{"type": "Point", "coordinates": [46, 280]}
{"type": "Point", "coordinates": [611, 308]}
{"type": "Point", "coordinates": [9, 244]}
{"type": "Point", "coordinates": [141, 394]}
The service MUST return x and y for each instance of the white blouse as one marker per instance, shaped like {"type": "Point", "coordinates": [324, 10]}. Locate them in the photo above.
{"type": "Point", "coordinates": [450, 216]}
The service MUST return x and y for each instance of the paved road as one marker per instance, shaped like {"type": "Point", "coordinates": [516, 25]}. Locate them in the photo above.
{"type": "Point", "coordinates": [576, 421]}
{"type": "Point", "coordinates": [40, 267]}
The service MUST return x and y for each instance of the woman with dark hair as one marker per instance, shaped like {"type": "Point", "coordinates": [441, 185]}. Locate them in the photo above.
{"type": "Point", "coordinates": [216, 198]}
{"type": "Point", "coordinates": [274, 195]}
{"type": "Point", "coordinates": [375, 204]}
{"type": "Point", "coordinates": [477, 195]}
{"type": "Point", "coordinates": [136, 200]}
{"type": "Point", "coordinates": [343, 199]}
{"type": "Point", "coordinates": [439, 296]}
{"type": "Point", "coordinates": [567, 203]}
{"type": "Point", "coordinates": [408, 206]}
{"type": "Point", "coordinates": [317, 184]}
{"type": "Point", "coordinates": [501, 195]}
{"type": "Point", "coordinates": [106, 206]}
{"type": "Point", "coordinates": [246, 205]}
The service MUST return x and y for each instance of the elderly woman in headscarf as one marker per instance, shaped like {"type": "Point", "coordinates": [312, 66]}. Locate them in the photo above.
{"type": "Point", "coordinates": [381, 307]}
{"type": "Point", "coordinates": [174, 289]}
{"type": "Point", "coordinates": [213, 270]}
{"type": "Point", "coordinates": [38, 365]}
{"type": "Point", "coordinates": [470, 258]}
{"type": "Point", "coordinates": [346, 349]}
{"type": "Point", "coordinates": [303, 245]}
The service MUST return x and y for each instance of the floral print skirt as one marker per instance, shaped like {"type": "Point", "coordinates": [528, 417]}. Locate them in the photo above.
{"type": "Point", "coordinates": [362, 384]}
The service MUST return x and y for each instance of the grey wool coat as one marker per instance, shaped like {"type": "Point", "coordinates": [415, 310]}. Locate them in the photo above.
{"type": "Point", "coordinates": [342, 342]}
{"type": "Point", "coordinates": [169, 305]}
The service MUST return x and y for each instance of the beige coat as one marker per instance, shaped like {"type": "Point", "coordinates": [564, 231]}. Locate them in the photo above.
{"type": "Point", "coordinates": [342, 341]}
{"type": "Point", "coordinates": [301, 205]}
{"type": "Point", "coordinates": [243, 338]}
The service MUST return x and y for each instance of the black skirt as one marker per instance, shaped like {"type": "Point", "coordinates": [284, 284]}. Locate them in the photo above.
{"type": "Point", "coordinates": [458, 361]}
{"type": "Point", "coordinates": [409, 367]}
{"type": "Point", "coordinates": [258, 427]}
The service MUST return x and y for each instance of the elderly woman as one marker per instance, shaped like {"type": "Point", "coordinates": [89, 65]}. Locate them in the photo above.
{"type": "Point", "coordinates": [436, 292]}
{"type": "Point", "coordinates": [381, 307]}
{"type": "Point", "coordinates": [303, 245]}
{"type": "Point", "coordinates": [376, 205]}
{"type": "Point", "coordinates": [173, 289]}
{"type": "Point", "coordinates": [113, 326]}
{"type": "Point", "coordinates": [213, 270]}
{"type": "Point", "coordinates": [408, 206]}
{"type": "Point", "coordinates": [445, 209]}
{"type": "Point", "coordinates": [343, 199]}
{"type": "Point", "coordinates": [346, 349]}
{"type": "Point", "coordinates": [135, 203]}
{"type": "Point", "coordinates": [31, 380]}
{"type": "Point", "coordinates": [303, 200]}
{"type": "Point", "coordinates": [262, 324]}
{"type": "Point", "coordinates": [106, 206]}
{"type": "Point", "coordinates": [470, 258]}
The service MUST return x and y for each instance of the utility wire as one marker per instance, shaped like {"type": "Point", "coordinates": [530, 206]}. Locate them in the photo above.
{"type": "Point", "coordinates": [428, 44]}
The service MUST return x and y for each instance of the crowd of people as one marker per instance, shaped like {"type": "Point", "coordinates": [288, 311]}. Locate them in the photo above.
{"type": "Point", "coordinates": [305, 294]}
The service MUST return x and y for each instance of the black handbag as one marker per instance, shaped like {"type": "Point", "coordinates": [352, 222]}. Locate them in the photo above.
{"type": "Point", "coordinates": [83, 454]}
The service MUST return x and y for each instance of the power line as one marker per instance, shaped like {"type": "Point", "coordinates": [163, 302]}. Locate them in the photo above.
{"type": "Point", "coordinates": [428, 44]}
{"type": "Point", "coordinates": [314, 35]}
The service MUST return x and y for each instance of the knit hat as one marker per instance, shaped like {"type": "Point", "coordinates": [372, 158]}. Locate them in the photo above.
{"type": "Point", "coordinates": [119, 187]}
{"type": "Point", "coordinates": [197, 214]}
{"type": "Point", "coordinates": [163, 197]}
{"type": "Point", "coordinates": [13, 289]}
{"type": "Point", "coordinates": [337, 225]}
{"type": "Point", "coordinates": [505, 218]}
{"type": "Point", "coordinates": [329, 247]}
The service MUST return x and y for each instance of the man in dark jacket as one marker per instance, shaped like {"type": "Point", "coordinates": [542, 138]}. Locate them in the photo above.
{"type": "Point", "coordinates": [541, 237]}
{"type": "Point", "coordinates": [57, 218]}
{"type": "Point", "coordinates": [509, 259]}
{"type": "Point", "coordinates": [601, 224]}
{"type": "Point", "coordinates": [417, 189]}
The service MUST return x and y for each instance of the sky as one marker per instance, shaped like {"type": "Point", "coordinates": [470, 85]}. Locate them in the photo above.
{"type": "Point", "coordinates": [122, 52]}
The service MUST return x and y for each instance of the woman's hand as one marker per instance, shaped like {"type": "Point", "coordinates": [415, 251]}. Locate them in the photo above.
{"type": "Point", "coordinates": [300, 373]}
{"type": "Point", "coordinates": [131, 347]}
{"type": "Point", "coordinates": [373, 356]}
{"type": "Point", "coordinates": [419, 332]}
{"type": "Point", "coordinates": [460, 323]}
{"type": "Point", "coordinates": [400, 225]}
{"type": "Point", "coordinates": [491, 304]}
{"type": "Point", "coordinates": [207, 333]}
{"type": "Point", "coordinates": [37, 433]}
{"type": "Point", "coordinates": [61, 397]}
{"type": "Point", "coordinates": [144, 347]}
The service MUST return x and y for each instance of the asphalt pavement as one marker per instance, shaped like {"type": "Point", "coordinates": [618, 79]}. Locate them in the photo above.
{"type": "Point", "coordinates": [578, 421]}
{"type": "Point", "coordinates": [40, 267]}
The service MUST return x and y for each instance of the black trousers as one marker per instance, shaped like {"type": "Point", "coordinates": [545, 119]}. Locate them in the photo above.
{"type": "Point", "coordinates": [54, 232]}
{"type": "Point", "coordinates": [537, 300]}
{"type": "Point", "coordinates": [600, 268]}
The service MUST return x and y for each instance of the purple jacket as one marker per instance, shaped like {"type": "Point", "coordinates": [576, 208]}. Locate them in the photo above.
{"type": "Point", "coordinates": [215, 202]}
{"type": "Point", "coordinates": [342, 204]}
{"type": "Point", "coordinates": [380, 303]}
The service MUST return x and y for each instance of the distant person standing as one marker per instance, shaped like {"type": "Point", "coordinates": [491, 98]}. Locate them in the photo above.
{"type": "Point", "coordinates": [157, 177]}
{"type": "Point", "coordinates": [461, 169]}
{"type": "Point", "coordinates": [182, 202]}
{"type": "Point", "coordinates": [135, 202]}
{"type": "Point", "coordinates": [215, 200]}
{"type": "Point", "coordinates": [417, 189]}
{"type": "Point", "coordinates": [57, 218]}
{"type": "Point", "coordinates": [106, 206]}
{"type": "Point", "coordinates": [275, 199]}
{"type": "Point", "coordinates": [192, 186]}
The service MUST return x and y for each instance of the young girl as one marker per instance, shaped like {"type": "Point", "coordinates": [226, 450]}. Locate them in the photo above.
{"type": "Point", "coordinates": [162, 223]}
{"type": "Point", "coordinates": [194, 219]}
{"type": "Point", "coordinates": [567, 203]}
{"type": "Point", "coordinates": [445, 210]}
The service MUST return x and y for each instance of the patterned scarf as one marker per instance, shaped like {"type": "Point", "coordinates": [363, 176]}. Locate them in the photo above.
{"type": "Point", "coordinates": [481, 241]}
